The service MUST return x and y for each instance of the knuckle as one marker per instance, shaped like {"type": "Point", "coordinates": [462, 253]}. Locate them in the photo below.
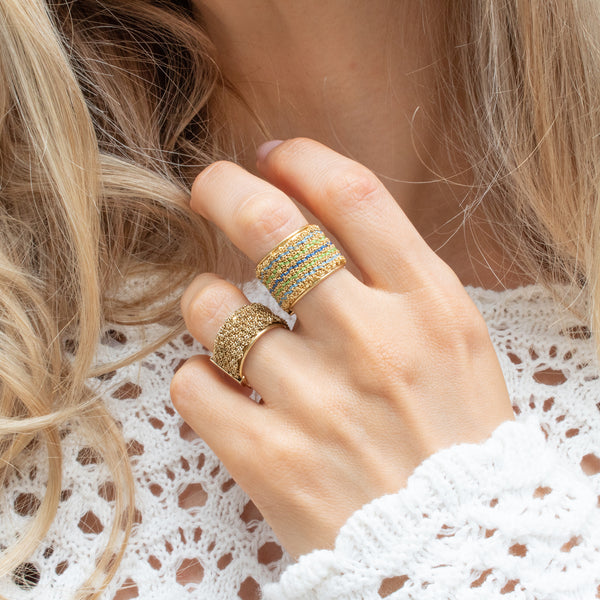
{"type": "Point", "coordinates": [263, 217]}
{"type": "Point", "coordinates": [208, 305]}
{"type": "Point", "coordinates": [464, 324]}
{"type": "Point", "coordinates": [475, 330]}
{"type": "Point", "coordinates": [351, 187]}
{"type": "Point", "coordinates": [199, 282]}
{"type": "Point", "coordinates": [213, 170]}
{"type": "Point", "coordinates": [180, 388]}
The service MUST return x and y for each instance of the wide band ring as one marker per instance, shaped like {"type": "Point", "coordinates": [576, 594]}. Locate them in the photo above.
{"type": "Point", "coordinates": [298, 263]}
{"type": "Point", "coordinates": [238, 334]}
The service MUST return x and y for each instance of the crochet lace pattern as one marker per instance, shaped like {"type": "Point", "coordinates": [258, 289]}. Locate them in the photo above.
{"type": "Point", "coordinates": [516, 517]}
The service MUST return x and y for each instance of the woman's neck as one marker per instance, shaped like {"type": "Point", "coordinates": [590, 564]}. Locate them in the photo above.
{"type": "Point", "coordinates": [357, 76]}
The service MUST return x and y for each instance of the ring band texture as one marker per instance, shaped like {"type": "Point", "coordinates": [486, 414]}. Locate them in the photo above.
{"type": "Point", "coordinates": [297, 264]}
{"type": "Point", "coordinates": [238, 334]}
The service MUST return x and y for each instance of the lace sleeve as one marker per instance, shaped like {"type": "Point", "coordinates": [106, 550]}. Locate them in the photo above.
{"type": "Point", "coordinates": [506, 518]}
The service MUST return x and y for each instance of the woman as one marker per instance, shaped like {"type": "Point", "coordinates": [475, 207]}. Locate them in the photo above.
{"type": "Point", "coordinates": [384, 452]}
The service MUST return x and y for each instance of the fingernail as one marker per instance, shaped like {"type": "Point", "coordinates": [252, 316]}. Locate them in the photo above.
{"type": "Point", "coordinates": [264, 149]}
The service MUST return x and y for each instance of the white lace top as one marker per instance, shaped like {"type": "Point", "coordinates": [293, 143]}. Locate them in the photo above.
{"type": "Point", "coordinates": [515, 517]}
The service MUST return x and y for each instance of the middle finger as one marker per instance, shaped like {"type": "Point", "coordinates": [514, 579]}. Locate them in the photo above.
{"type": "Point", "coordinates": [256, 216]}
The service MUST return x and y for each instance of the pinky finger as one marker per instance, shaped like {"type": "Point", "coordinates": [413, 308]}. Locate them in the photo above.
{"type": "Point", "coordinates": [218, 410]}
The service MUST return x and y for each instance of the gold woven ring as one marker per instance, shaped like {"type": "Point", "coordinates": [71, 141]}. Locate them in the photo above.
{"type": "Point", "coordinates": [300, 262]}
{"type": "Point", "coordinates": [238, 334]}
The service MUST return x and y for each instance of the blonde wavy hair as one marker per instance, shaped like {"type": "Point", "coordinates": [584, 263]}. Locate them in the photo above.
{"type": "Point", "coordinates": [109, 109]}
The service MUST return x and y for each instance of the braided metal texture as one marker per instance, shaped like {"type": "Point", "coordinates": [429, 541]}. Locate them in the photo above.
{"type": "Point", "coordinates": [237, 335]}
{"type": "Point", "coordinates": [298, 264]}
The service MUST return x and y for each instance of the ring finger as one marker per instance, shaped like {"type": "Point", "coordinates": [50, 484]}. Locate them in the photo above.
{"type": "Point", "coordinates": [207, 303]}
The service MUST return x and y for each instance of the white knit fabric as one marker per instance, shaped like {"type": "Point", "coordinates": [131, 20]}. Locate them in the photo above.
{"type": "Point", "coordinates": [515, 517]}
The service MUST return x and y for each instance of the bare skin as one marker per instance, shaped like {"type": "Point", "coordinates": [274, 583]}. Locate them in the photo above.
{"type": "Point", "coordinates": [381, 370]}
{"type": "Point", "coordinates": [358, 77]}
{"type": "Point", "coordinates": [385, 366]}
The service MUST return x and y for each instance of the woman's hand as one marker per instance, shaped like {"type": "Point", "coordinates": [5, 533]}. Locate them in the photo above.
{"type": "Point", "coordinates": [377, 374]}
